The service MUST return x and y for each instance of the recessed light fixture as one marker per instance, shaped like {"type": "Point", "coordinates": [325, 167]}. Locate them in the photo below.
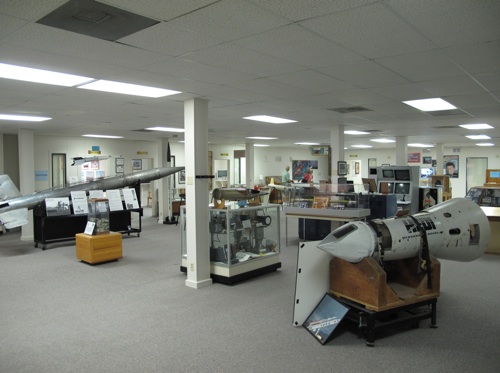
{"type": "Point", "coordinates": [23, 118]}
{"type": "Point", "coordinates": [261, 138]}
{"type": "Point", "coordinates": [128, 89]}
{"type": "Point", "coordinates": [383, 140]}
{"type": "Point", "coordinates": [261, 145]}
{"type": "Point", "coordinates": [28, 74]}
{"type": "Point", "coordinates": [478, 126]}
{"type": "Point", "coordinates": [419, 145]}
{"type": "Point", "coordinates": [307, 143]}
{"type": "Point", "coordinates": [485, 144]}
{"type": "Point", "coordinates": [430, 104]}
{"type": "Point", "coordinates": [478, 137]}
{"type": "Point", "coordinates": [165, 129]}
{"type": "Point", "coordinates": [104, 136]}
{"type": "Point", "coordinates": [269, 119]}
{"type": "Point", "coordinates": [356, 133]}
{"type": "Point", "coordinates": [361, 146]}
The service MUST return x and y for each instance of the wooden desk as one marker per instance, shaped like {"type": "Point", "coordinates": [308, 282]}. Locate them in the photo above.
{"type": "Point", "coordinates": [100, 248]}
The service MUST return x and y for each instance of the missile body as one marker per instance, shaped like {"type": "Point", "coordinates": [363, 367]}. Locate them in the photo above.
{"type": "Point", "coordinates": [29, 201]}
{"type": "Point", "coordinates": [236, 194]}
{"type": "Point", "coordinates": [456, 230]}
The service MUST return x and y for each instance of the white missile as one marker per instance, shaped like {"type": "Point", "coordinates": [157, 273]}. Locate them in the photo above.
{"type": "Point", "coordinates": [456, 230]}
{"type": "Point", "coordinates": [81, 160]}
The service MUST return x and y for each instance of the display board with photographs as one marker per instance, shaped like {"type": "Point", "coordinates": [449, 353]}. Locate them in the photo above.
{"type": "Point", "coordinates": [57, 206]}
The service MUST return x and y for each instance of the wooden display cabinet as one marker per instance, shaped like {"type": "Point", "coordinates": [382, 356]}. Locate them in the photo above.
{"type": "Point", "coordinates": [100, 248]}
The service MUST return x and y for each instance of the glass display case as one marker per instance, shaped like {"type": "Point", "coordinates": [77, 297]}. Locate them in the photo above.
{"type": "Point", "coordinates": [243, 242]}
{"type": "Point", "coordinates": [99, 214]}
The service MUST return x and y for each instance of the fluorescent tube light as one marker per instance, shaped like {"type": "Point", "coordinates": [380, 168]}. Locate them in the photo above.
{"type": "Point", "coordinates": [261, 138]}
{"type": "Point", "coordinates": [165, 129]}
{"type": "Point", "coordinates": [269, 119]}
{"type": "Point", "coordinates": [478, 126]}
{"type": "Point", "coordinates": [261, 145]}
{"type": "Point", "coordinates": [361, 146]}
{"type": "Point", "coordinates": [485, 144]}
{"type": "Point", "coordinates": [430, 104]}
{"type": "Point", "coordinates": [356, 133]}
{"type": "Point", "coordinates": [128, 89]}
{"type": "Point", "coordinates": [23, 118]}
{"type": "Point", "coordinates": [478, 137]}
{"type": "Point", "coordinates": [28, 74]}
{"type": "Point", "coordinates": [307, 143]}
{"type": "Point", "coordinates": [383, 140]}
{"type": "Point", "coordinates": [104, 136]}
{"type": "Point", "coordinates": [419, 145]}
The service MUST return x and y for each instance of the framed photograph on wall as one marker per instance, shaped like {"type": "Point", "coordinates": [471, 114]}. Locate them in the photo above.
{"type": "Point", "coordinates": [136, 164]}
{"type": "Point", "coordinates": [450, 165]}
{"type": "Point", "coordinates": [356, 168]}
{"type": "Point", "coordinates": [427, 160]}
{"type": "Point", "coordinates": [341, 168]}
{"type": "Point", "coordinates": [119, 170]}
{"type": "Point", "coordinates": [119, 161]}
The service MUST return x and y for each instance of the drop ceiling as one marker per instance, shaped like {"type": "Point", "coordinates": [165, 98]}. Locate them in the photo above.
{"type": "Point", "coordinates": [297, 59]}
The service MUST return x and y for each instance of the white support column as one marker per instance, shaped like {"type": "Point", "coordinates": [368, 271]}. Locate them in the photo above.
{"type": "Point", "coordinates": [163, 184]}
{"type": "Point", "coordinates": [401, 150]}
{"type": "Point", "coordinates": [337, 145]}
{"type": "Point", "coordinates": [439, 159]}
{"type": "Point", "coordinates": [196, 151]}
{"type": "Point", "coordinates": [26, 141]}
{"type": "Point", "coordinates": [2, 170]}
{"type": "Point", "coordinates": [249, 156]}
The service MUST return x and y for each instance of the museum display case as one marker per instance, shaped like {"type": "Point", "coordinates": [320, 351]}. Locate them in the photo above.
{"type": "Point", "coordinates": [243, 242]}
{"type": "Point", "coordinates": [489, 199]}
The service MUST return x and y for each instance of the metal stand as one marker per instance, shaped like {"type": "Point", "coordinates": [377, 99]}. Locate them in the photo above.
{"type": "Point", "coordinates": [371, 322]}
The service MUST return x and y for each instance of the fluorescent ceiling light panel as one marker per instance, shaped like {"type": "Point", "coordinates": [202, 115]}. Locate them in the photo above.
{"type": "Point", "coordinates": [28, 74]}
{"type": "Point", "coordinates": [478, 137]}
{"type": "Point", "coordinates": [478, 126]}
{"type": "Point", "coordinates": [485, 144]}
{"type": "Point", "coordinates": [383, 140]}
{"type": "Point", "coordinates": [361, 146]}
{"type": "Point", "coordinates": [418, 145]}
{"type": "Point", "coordinates": [262, 138]}
{"type": "Point", "coordinates": [260, 145]}
{"type": "Point", "coordinates": [128, 89]}
{"type": "Point", "coordinates": [356, 133]}
{"type": "Point", "coordinates": [269, 119]}
{"type": "Point", "coordinates": [165, 129]}
{"type": "Point", "coordinates": [307, 143]}
{"type": "Point", "coordinates": [23, 118]}
{"type": "Point", "coordinates": [104, 136]}
{"type": "Point", "coordinates": [430, 104]}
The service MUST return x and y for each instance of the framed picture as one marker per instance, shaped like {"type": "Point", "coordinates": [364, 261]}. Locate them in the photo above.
{"type": "Point", "coordinates": [136, 164]}
{"type": "Point", "coordinates": [427, 160]}
{"type": "Point", "coordinates": [119, 161]}
{"type": "Point", "coordinates": [325, 318]}
{"type": "Point", "coordinates": [341, 168]}
{"type": "Point", "coordinates": [356, 168]}
{"type": "Point", "coordinates": [119, 169]}
{"type": "Point", "coordinates": [450, 165]}
{"type": "Point", "coordinates": [413, 157]}
{"type": "Point", "coordinates": [94, 165]}
{"type": "Point", "coordinates": [182, 177]}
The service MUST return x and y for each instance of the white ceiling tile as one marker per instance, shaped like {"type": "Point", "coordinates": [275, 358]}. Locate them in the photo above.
{"type": "Point", "coordinates": [311, 81]}
{"type": "Point", "coordinates": [29, 9]}
{"type": "Point", "coordinates": [364, 31]}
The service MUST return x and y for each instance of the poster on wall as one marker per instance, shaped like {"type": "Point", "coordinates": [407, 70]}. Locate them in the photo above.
{"type": "Point", "coordinates": [413, 157]}
{"type": "Point", "coordinates": [299, 168]}
{"type": "Point", "coordinates": [450, 165]}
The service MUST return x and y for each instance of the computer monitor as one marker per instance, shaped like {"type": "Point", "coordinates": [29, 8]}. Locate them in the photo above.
{"type": "Point", "coordinates": [402, 174]}
{"type": "Point", "coordinates": [388, 174]}
{"type": "Point", "coordinates": [386, 187]}
{"type": "Point", "coordinates": [222, 174]}
{"type": "Point", "coordinates": [401, 188]}
{"type": "Point", "coordinates": [426, 172]}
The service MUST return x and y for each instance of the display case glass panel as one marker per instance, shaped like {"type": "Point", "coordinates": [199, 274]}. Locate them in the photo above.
{"type": "Point", "coordinates": [99, 214]}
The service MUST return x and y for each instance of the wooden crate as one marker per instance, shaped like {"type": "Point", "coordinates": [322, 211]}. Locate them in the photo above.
{"type": "Point", "coordinates": [368, 284]}
{"type": "Point", "coordinates": [100, 248]}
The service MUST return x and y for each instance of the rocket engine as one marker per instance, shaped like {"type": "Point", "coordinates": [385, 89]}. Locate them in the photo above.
{"type": "Point", "coordinates": [456, 229]}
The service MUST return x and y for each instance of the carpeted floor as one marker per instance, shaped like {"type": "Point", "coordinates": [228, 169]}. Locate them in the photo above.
{"type": "Point", "coordinates": [136, 315]}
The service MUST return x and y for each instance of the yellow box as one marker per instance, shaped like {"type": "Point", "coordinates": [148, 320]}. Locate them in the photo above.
{"type": "Point", "coordinates": [100, 248]}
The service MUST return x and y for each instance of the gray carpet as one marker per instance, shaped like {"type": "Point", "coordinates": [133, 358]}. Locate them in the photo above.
{"type": "Point", "coordinates": [136, 315]}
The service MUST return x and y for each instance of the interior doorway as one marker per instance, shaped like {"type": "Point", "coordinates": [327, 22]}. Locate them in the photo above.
{"type": "Point", "coordinates": [476, 171]}
{"type": "Point", "coordinates": [58, 170]}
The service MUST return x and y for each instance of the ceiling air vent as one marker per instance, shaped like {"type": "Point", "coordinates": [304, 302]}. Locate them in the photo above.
{"type": "Point", "coordinates": [349, 110]}
{"type": "Point", "coordinates": [91, 18]}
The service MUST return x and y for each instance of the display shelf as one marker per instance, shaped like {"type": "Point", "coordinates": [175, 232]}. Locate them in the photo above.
{"type": "Point", "coordinates": [244, 242]}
